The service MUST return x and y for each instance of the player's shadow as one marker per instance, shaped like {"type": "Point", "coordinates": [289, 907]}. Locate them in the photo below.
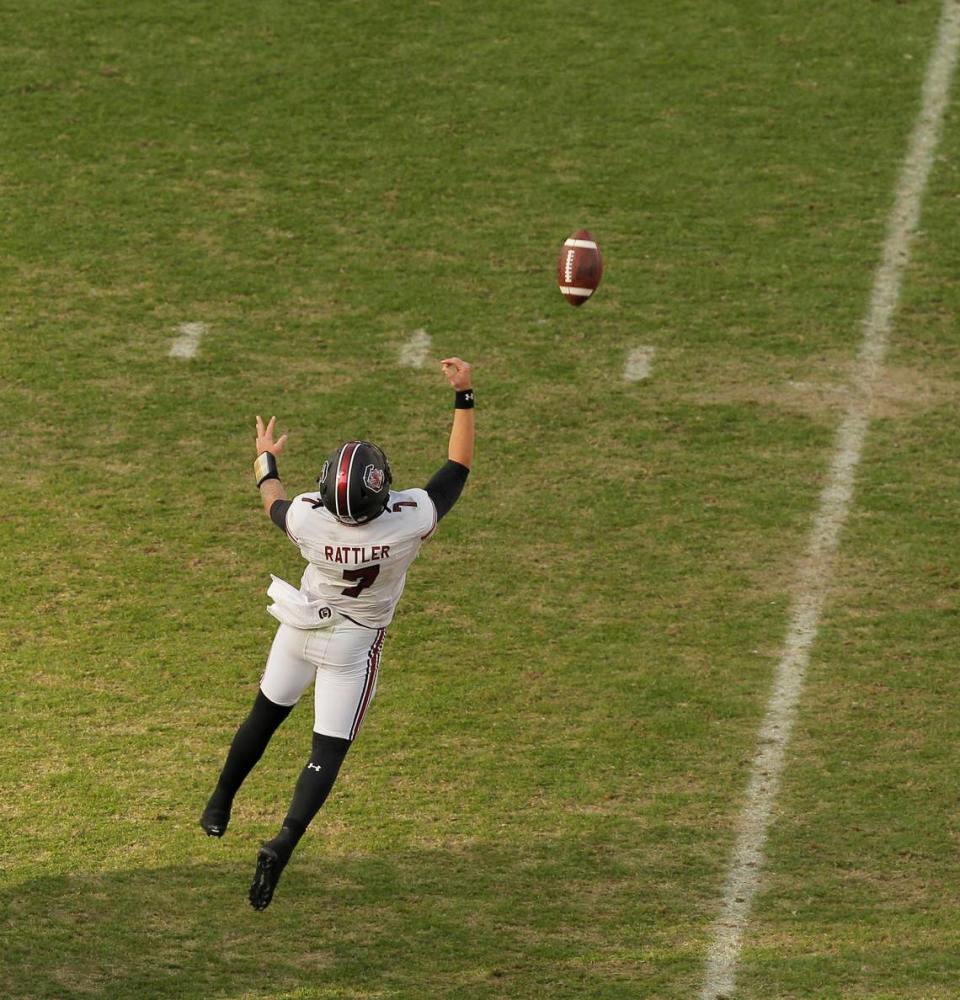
{"type": "Point", "coordinates": [471, 923]}
{"type": "Point", "coordinates": [188, 931]}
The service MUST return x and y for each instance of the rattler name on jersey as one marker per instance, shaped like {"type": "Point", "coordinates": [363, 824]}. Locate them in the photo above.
{"type": "Point", "coordinates": [355, 553]}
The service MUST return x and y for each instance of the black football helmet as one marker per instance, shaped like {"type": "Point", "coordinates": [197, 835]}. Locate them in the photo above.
{"type": "Point", "coordinates": [355, 482]}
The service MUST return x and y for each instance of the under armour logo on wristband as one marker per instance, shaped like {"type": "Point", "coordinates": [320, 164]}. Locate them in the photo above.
{"type": "Point", "coordinates": [315, 767]}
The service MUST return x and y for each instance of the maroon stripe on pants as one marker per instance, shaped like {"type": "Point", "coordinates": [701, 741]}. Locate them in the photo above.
{"type": "Point", "coordinates": [373, 666]}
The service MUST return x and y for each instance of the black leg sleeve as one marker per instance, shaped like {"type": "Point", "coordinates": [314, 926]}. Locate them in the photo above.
{"type": "Point", "coordinates": [315, 782]}
{"type": "Point", "coordinates": [248, 745]}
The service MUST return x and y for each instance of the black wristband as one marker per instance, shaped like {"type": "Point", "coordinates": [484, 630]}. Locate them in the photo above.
{"type": "Point", "coordinates": [264, 468]}
{"type": "Point", "coordinates": [463, 400]}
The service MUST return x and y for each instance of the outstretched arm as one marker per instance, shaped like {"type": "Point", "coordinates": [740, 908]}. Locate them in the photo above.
{"type": "Point", "coordinates": [460, 376]}
{"type": "Point", "coordinates": [265, 468]}
{"type": "Point", "coordinates": [447, 482]}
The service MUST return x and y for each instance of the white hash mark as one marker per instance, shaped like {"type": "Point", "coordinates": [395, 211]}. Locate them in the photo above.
{"type": "Point", "coordinates": [414, 352]}
{"type": "Point", "coordinates": [186, 345]}
{"type": "Point", "coordinates": [639, 364]}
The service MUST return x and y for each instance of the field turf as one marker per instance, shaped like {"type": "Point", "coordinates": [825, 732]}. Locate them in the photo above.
{"type": "Point", "coordinates": [543, 799]}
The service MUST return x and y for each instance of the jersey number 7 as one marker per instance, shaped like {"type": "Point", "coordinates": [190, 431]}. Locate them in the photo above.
{"type": "Point", "coordinates": [365, 575]}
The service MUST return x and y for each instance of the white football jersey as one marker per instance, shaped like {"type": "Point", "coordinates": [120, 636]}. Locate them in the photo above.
{"type": "Point", "coordinates": [360, 569]}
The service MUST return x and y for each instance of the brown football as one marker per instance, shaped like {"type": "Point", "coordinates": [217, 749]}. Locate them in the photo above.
{"type": "Point", "coordinates": [579, 268]}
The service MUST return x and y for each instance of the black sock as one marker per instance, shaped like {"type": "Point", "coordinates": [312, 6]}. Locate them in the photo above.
{"type": "Point", "coordinates": [314, 785]}
{"type": "Point", "coordinates": [283, 844]}
{"type": "Point", "coordinates": [247, 748]}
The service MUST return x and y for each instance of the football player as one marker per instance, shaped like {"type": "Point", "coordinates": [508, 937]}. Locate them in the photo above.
{"type": "Point", "coordinates": [359, 537]}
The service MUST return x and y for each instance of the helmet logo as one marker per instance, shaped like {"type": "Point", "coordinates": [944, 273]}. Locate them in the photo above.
{"type": "Point", "coordinates": [373, 478]}
{"type": "Point", "coordinates": [322, 478]}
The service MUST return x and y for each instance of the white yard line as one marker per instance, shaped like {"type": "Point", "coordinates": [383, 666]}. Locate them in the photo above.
{"type": "Point", "coordinates": [186, 345]}
{"type": "Point", "coordinates": [816, 567]}
{"type": "Point", "coordinates": [414, 352]}
{"type": "Point", "coordinates": [639, 364]}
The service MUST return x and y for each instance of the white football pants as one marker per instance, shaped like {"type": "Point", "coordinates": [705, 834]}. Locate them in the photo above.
{"type": "Point", "coordinates": [344, 658]}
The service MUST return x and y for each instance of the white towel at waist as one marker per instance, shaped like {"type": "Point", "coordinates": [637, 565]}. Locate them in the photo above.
{"type": "Point", "coordinates": [294, 608]}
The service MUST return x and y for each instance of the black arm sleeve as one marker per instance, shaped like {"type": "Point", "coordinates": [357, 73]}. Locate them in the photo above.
{"type": "Point", "coordinates": [278, 513]}
{"type": "Point", "coordinates": [445, 486]}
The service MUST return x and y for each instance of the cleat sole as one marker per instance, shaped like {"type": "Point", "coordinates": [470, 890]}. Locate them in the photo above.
{"type": "Point", "coordinates": [265, 878]}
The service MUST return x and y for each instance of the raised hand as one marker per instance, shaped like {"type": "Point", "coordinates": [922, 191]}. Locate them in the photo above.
{"type": "Point", "coordinates": [458, 373]}
{"type": "Point", "coordinates": [265, 440]}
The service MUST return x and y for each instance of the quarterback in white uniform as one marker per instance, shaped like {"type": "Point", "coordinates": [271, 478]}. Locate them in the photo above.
{"type": "Point", "coordinates": [359, 538]}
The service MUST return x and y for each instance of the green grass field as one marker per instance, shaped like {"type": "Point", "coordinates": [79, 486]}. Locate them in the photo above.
{"type": "Point", "coordinates": [543, 799]}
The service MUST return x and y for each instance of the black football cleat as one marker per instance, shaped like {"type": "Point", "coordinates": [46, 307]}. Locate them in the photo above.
{"type": "Point", "coordinates": [266, 877]}
{"type": "Point", "coordinates": [215, 821]}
